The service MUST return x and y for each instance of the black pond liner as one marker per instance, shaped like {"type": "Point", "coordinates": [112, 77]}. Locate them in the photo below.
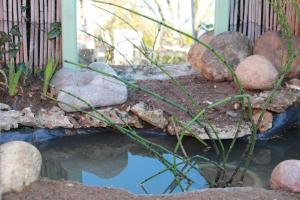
{"type": "Point", "coordinates": [281, 122]}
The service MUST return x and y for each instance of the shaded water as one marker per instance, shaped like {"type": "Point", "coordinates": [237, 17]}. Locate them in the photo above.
{"type": "Point", "coordinates": [113, 160]}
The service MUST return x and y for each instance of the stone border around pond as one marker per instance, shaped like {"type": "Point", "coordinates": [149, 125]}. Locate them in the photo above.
{"type": "Point", "coordinates": [44, 122]}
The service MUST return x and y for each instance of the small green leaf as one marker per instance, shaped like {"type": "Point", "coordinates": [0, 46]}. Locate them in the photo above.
{"type": "Point", "coordinates": [4, 38]}
{"type": "Point", "coordinates": [22, 67]}
{"type": "Point", "coordinates": [15, 31]}
{"type": "Point", "coordinates": [55, 30]}
{"type": "Point", "coordinates": [13, 52]}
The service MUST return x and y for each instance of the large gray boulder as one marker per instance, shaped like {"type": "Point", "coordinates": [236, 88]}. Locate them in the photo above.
{"type": "Point", "coordinates": [233, 46]}
{"type": "Point", "coordinates": [95, 88]}
{"type": "Point", "coordinates": [20, 166]}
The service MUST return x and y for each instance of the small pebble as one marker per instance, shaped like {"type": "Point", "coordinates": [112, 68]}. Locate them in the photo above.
{"type": "Point", "coordinates": [70, 185]}
{"type": "Point", "coordinates": [236, 106]}
{"type": "Point", "coordinates": [231, 113]}
{"type": "Point", "coordinates": [208, 102]}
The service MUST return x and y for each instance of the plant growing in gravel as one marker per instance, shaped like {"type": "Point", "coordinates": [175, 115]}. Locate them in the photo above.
{"type": "Point", "coordinates": [198, 114]}
{"type": "Point", "coordinates": [48, 73]}
{"type": "Point", "coordinates": [14, 78]}
{"type": "Point", "coordinates": [10, 44]}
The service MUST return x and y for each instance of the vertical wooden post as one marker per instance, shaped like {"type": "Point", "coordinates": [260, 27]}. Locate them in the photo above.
{"type": "Point", "coordinates": [221, 16]}
{"type": "Point", "coordinates": [69, 31]}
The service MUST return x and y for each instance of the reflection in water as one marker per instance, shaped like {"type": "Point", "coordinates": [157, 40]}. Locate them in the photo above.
{"type": "Point", "coordinates": [109, 160]}
{"type": "Point", "coordinates": [113, 160]}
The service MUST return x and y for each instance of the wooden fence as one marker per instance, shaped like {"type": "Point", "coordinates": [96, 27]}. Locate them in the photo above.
{"type": "Point", "coordinates": [34, 18]}
{"type": "Point", "coordinates": [254, 17]}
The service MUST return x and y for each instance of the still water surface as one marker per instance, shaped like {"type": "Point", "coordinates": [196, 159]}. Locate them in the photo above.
{"type": "Point", "coordinates": [113, 160]}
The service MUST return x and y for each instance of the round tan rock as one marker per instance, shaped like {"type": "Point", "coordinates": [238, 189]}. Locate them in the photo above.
{"type": "Point", "coordinates": [286, 176]}
{"type": "Point", "coordinates": [274, 47]}
{"type": "Point", "coordinates": [20, 165]}
{"type": "Point", "coordinates": [233, 46]}
{"type": "Point", "coordinates": [196, 51]}
{"type": "Point", "coordinates": [256, 73]}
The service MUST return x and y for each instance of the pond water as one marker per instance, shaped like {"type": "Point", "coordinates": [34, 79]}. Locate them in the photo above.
{"type": "Point", "coordinates": [113, 160]}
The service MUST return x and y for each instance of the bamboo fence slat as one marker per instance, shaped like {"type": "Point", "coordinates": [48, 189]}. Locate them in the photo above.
{"type": "Point", "coordinates": [41, 33]}
{"type": "Point", "coordinates": [48, 27]}
{"type": "Point", "coordinates": [53, 20]}
{"type": "Point", "coordinates": [1, 17]}
{"type": "Point", "coordinates": [15, 21]}
{"type": "Point", "coordinates": [19, 5]}
{"type": "Point", "coordinates": [5, 19]}
{"type": "Point", "coordinates": [24, 31]}
{"type": "Point", "coordinates": [254, 17]}
{"type": "Point", "coordinates": [10, 18]}
{"type": "Point", "coordinates": [236, 15]}
{"type": "Point", "coordinates": [259, 18]}
{"type": "Point", "coordinates": [58, 40]}
{"type": "Point", "coordinates": [232, 22]}
{"type": "Point", "coordinates": [36, 35]}
{"type": "Point", "coordinates": [241, 15]}
{"type": "Point", "coordinates": [245, 26]}
{"type": "Point", "coordinates": [31, 45]}
{"type": "Point", "coordinates": [45, 26]}
{"type": "Point", "coordinates": [33, 18]}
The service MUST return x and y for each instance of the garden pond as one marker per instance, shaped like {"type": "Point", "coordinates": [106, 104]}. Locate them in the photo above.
{"type": "Point", "coordinates": [110, 159]}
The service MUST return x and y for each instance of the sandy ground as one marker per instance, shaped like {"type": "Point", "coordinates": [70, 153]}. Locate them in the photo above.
{"type": "Point", "coordinates": [61, 190]}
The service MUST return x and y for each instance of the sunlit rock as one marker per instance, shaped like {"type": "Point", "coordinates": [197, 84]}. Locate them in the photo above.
{"type": "Point", "coordinates": [223, 132]}
{"type": "Point", "coordinates": [274, 47]}
{"type": "Point", "coordinates": [95, 119]}
{"type": "Point", "coordinates": [256, 73]}
{"type": "Point", "coordinates": [95, 88]}
{"type": "Point", "coordinates": [233, 46]}
{"type": "Point", "coordinates": [154, 117]}
{"type": "Point", "coordinates": [195, 53]}
{"type": "Point", "coordinates": [54, 118]}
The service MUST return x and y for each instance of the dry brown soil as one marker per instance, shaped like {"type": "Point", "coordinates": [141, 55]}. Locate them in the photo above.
{"type": "Point", "coordinates": [62, 190]}
{"type": "Point", "coordinates": [202, 92]}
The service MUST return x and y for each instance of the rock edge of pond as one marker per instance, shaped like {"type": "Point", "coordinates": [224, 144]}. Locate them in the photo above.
{"type": "Point", "coordinates": [139, 116]}
{"type": "Point", "coordinates": [142, 111]}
